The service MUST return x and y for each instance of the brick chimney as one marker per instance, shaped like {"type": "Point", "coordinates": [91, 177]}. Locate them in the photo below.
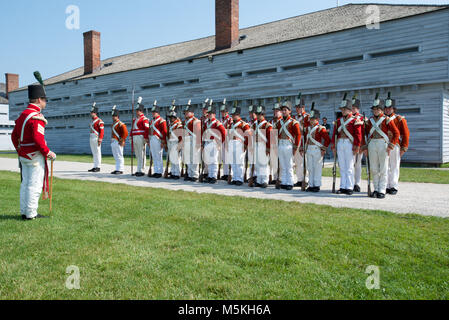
{"type": "Point", "coordinates": [92, 61]}
{"type": "Point", "coordinates": [12, 82]}
{"type": "Point", "coordinates": [226, 23]}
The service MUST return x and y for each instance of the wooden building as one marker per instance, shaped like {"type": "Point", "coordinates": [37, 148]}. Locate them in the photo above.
{"type": "Point", "coordinates": [323, 54]}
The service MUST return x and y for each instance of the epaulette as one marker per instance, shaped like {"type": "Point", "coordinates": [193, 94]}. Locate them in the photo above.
{"type": "Point", "coordinates": [295, 121]}
{"type": "Point", "coordinates": [40, 117]}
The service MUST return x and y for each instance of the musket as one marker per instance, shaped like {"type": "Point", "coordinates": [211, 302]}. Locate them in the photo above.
{"type": "Point", "coordinates": [304, 166]}
{"type": "Point", "coordinates": [132, 128]}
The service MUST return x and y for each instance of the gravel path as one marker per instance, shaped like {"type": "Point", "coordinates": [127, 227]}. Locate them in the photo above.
{"type": "Point", "coordinates": [420, 198]}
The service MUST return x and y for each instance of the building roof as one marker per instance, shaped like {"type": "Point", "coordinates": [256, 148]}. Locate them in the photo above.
{"type": "Point", "coordinates": [309, 25]}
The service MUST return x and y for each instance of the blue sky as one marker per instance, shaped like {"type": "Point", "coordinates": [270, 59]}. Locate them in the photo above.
{"type": "Point", "coordinates": [34, 36]}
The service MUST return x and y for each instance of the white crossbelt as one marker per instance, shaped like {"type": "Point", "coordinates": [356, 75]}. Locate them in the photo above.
{"type": "Point", "coordinates": [23, 126]}
{"type": "Point", "coordinates": [345, 130]}
{"type": "Point", "coordinates": [234, 131]}
{"type": "Point", "coordinates": [186, 127]}
{"type": "Point", "coordinates": [284, 129]}
{"type": "Point", "coordinates": [153, 127]}
{"type": "Point", "coordinates": [392, 118]}
{"type": "Point", "coordinates": [92, 126]}
{"type": "Point", "coordinates": [210, 131]}
{"type": "Point", "coordinates": [136, 128]}
{"type": "Point", "coordinates": [114, 131]}
{"type": "Point", "coordinates": [259, 133]}
{"type": "Point", "coordinates": [311, 138]}
{"type": "Point", "coordinates": [173, 127]}
{"type": "Point", "coordinates": [376, 127]}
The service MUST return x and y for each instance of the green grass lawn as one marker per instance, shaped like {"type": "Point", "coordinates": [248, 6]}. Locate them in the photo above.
{"type": "Point", "coordinates": [132, 242]}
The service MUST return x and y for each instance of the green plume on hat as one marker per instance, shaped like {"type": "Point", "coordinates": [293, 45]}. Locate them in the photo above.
{"type": "Point", "coordinates": [377, 96]}
{"type": "Point", "coordinates": [345, 96]}
{"type": "Point", "coordinates": [38, 77]}
{"type": "Point", "coordinates": [389, 95]}
{"type": "Point", "coordinates": [354, 97]}
{"type": "Point", "coordinates": [313, 106]}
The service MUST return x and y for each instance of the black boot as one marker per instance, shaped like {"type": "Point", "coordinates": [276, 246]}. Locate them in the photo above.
{"type": "Point", "coordinates": [393, 191]}
{"type": "Point", "coordinates": [356, 188]}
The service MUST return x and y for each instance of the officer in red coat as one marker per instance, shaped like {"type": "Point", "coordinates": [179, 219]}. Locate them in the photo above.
{"type": "Point", "coordinates": [28, 138]}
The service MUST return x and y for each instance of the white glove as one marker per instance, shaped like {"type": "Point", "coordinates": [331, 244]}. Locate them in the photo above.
{"type": "Point", "coordinates": [51, 155]}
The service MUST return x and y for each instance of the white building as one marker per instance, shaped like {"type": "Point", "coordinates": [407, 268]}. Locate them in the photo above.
{"type": "Point", "coordinates": [6, 126]}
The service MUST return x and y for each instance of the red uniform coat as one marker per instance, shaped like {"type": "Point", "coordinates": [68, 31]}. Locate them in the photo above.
{"type": "Point", "coordinates": [119, 132]}
{"type": "Point", "coordinates": [28, 137]}
{"type": "Point", "coordinates": [240, 128]}
{"type": "Point", "coordinates": [33, 139]}
{"type": "Point", "coordinates": [97, 127]}
{"type": "Point", "coordinates": [192, 126]}
{"type": "Point", "coordinates": [158, 128]}
{"type": "Point", "coordinates": [215, 125]}
{"type": "Point", "coordinates": [226, 120]}
{"type": "Point", "coordinates": [174, 130]}
{"type": "Point", "coordinates": [354, 127]}
{"type": "Point", "coordinates": [386, 127]}
{"type": "Point", "coordinates": [404, 132]}
{"type": "Point", "coordinates": [293, 129]}
{"type": "Point", "coordinates": [265, 129]}
{"type": "Point", "coordinates": [141, 127]}
{"type": "Point", "coordinates": [320, 135]}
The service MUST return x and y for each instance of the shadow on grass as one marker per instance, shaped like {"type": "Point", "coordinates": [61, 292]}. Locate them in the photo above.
{"type": "Point", "coordinates": [10, 217]}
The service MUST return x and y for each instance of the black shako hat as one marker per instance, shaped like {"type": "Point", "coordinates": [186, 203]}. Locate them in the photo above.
{"type": "Point", "coordinates": [115, 112]}
{"type": "Point", "coordinates": [260, 110]}
{"type": "Point", "coordinates": [236, 110]}
{"type": "Point", "coordinates": [36, 91]}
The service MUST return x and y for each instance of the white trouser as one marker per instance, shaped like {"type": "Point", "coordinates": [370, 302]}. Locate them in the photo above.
{"type": "Point", "coordinates": [174, 157]}
{"type": "Point", "coordinates": [117, 152]}
{"type": "Point", "coordinates": [358, 169]}
{"type": "Point", "coordinates": [236, 157]}
{"type": "Point", "coordinates": [299, 162]}
{"type": "Point", "coordinates": [225, 165]}
{"type": "Point", "coordinates": [286, 162]}
{"type": "Point", "coordinates": [191, 155]}
{"type": "Point", "coordinates": [346, 163]}
{"type": "Point", "coordinates": [140, 149]}
{"type": "Point", "coordinates": [210, 154]}
{"type": "Point", "coordinates": [378, 158]}
{"type": "Point", "coordinates": [96, 150]}
{"type": "Point", "coordinates": [394, 165]}
{"type": "Point", "coordinates": [157, 154]}
{"type": "Point", "coordinates": [33, 172]}
{"type": "Point", "coordinates": [261, 163]}
{"type": "Point", "coordinates": [314, 165]}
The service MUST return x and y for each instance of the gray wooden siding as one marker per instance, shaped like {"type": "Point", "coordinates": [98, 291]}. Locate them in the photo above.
{"type": "Point", "coordinates": [445, 129]}
{"type": "Point", "coordinates": [324, 83]}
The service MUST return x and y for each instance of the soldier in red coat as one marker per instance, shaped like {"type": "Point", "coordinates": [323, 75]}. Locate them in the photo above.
{"type": "Point", "coordinates": [262, 136]}
{"type": "Point", "coordinates": [158, 138]}
{"type": "Point", "coordinates": [346, 142]}
{"type": "Point", "coordinates": [289, 142]}
{"type": "Point", "coordinates": [303, 119]}
{"type": "Point", "coordinates": [96, 138]}
{"type": "Point", "coordinates": [379, 146]}
{"type": "Point", "coordinates": [28, 138]}
{"type": "Point", "coordinates": [316, 144]}
{"type": "Point", "coordinates": [140, 133]}
{"type": "Point", "coordinates": [237, 146]}
{"type": "Point", "coordinates": [213, 137]}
